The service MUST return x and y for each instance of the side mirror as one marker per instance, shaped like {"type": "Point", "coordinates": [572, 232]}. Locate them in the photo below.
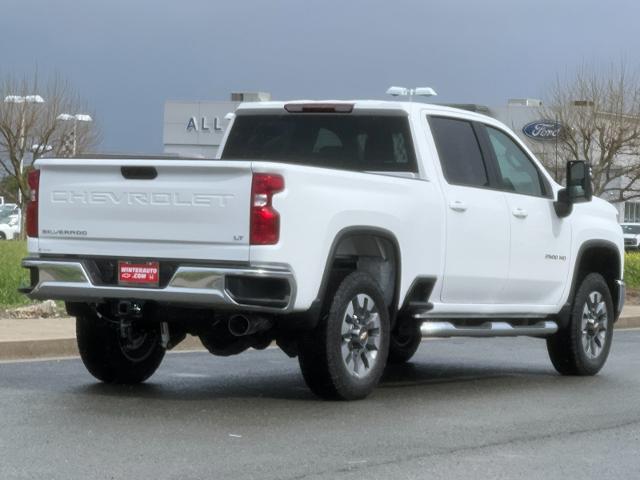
{"type": "Point", "coordinates": [578, 188]}
{"type": "Point", "coordinates": [579, 181]}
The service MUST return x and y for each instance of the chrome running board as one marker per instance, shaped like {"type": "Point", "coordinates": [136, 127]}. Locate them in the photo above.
{"type": "Point", "coordinates": [488, 329]}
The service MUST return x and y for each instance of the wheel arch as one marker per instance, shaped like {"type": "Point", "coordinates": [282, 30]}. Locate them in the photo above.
{"type": "Point", "coordinates": [354, 241]}
{"type": "Point", "coordinates": [595, 256]}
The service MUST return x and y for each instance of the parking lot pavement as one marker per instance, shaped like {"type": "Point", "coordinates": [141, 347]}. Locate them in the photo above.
{"type": "Point", "coordinates": [465, 408]}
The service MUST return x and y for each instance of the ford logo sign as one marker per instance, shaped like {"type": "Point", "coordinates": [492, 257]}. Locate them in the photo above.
{"type": "Point", "coordinates": [542, 130]}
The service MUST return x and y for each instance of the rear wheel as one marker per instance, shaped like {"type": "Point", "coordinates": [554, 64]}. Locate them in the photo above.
{"type": "Point", "coordinates": [345, 355]}
{"type": "Point", "coordinates": [114, 356]}
{"type": "Point", "coordinates": [583, 346]}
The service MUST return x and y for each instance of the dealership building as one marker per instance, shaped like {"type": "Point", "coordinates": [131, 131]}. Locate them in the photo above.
{"type": "Point", "coordinates": [196, 128]}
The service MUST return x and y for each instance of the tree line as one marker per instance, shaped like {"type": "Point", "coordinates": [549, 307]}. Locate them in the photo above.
{"type": "Point", "coordinates": [599, 114]}
{"type": "Point", "coordinates": [38, 117]}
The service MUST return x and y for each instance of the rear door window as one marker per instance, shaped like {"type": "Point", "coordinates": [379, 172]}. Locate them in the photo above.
{"type": "Point", "coordinates": [459, 152]}
{"type": "Point", "coordinates": [353, 142]}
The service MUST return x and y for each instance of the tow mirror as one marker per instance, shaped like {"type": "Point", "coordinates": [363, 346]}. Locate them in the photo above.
{"type": "Point", "coordinates": [579, 181]}
{"type": "Point", "coordinates": [578, 188]}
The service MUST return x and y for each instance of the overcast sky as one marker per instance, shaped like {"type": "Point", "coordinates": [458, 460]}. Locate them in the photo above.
{"type": "Point", "coordinates": [126, 57]}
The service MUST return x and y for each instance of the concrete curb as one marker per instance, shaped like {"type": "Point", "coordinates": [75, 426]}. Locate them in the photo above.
{"type": "Point", "coordinates": [64, 347]}
{"type": "Point", "coordinates": [628, 322]}
{"type": "Point", "coordinates": [25, 349]}
{"type": "Point", "coordinates": [67, 347]}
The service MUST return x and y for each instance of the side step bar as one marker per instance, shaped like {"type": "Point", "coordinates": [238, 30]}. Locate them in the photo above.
{"type": "Point", "coordinates": [488, 329]}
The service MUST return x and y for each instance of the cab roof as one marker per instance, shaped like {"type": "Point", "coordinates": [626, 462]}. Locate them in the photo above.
{"type": "Point", "coordinates": [360, 106]}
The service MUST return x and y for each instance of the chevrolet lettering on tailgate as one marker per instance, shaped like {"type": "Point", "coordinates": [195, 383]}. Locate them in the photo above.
{"type": "Point", "coordinates": [141, 198]}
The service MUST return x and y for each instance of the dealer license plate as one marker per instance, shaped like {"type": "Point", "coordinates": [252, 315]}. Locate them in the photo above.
{"type": "Point", "coordinates": [144, 274]}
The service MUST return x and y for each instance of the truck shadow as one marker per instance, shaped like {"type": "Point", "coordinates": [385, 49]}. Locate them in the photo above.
{"type": "Point", "coordinates": [431, 380]}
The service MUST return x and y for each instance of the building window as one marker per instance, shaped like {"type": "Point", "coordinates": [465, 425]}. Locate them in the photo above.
{"type": "Point", "coordinates": [632, 212]}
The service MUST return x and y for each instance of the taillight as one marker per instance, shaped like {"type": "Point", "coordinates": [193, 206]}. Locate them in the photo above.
{"type": "Point", "coordinates": [33, 180]}
{"type": "Point", "coordinates": [265, 220]}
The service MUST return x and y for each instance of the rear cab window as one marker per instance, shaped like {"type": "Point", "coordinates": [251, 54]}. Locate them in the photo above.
{"type": "Point", "coordinates": [359, 142]}
{"type": "Point", "coordinates": [459, 152]}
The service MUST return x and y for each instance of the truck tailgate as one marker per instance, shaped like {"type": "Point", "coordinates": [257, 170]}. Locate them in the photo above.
{"type": "Point", "coordinates": [145, 208]}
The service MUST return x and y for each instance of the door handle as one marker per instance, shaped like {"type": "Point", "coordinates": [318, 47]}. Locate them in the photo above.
{"type": "Point", "coordinates": [458, 206]}
{"type": "Point", "coordinates": [519, 212]}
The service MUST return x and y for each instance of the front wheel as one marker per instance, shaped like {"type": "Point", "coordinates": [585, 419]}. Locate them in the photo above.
{"type": "Point", "coordinates": [582, 347]}
{"type": "Point", "coordinates": [344, 357]}
{"type": "Point", "coordinates": [114, 357]}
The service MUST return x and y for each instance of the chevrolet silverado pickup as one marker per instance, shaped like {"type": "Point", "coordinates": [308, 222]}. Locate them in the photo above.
{"type": "Point", "coordinates": [343, 231]}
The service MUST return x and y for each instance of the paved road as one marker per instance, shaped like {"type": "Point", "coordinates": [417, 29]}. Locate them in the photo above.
{"type": "Point", "coordinates": [486, 408]}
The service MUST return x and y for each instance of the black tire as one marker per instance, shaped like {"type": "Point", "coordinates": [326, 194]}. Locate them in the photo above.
{"type": "Point", "coordinates": [2, 236]}
{"type": "Point", "coordinates": [567, 349]}
{"type": "Point", "coordinates": [109, 358]}
{"type": "Point", "coordinates": [404, 343]}
{"type": "Point", "coordinates": [321, 351]}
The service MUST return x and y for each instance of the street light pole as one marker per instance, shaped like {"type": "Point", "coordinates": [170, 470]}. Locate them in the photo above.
{"type": "Point", "coordinates": [78, 117]}
{"type": "Point", "coordinates": [24, 100]}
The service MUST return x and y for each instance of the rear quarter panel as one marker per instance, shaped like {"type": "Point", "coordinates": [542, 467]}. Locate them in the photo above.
{"type": "Point", "coordinates": [318, 203]}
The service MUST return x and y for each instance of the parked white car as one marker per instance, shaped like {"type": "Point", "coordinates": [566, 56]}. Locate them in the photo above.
{"type": "Point", "coordinates": [631, 232]}
{"type": "Point", "coordinates": [344, 231]}
{"type": "Point", "coordinates": [9, 227]}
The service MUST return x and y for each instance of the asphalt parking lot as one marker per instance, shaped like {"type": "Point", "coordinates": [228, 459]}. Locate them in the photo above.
{"type": "Point", "coordinates": [464, 408]}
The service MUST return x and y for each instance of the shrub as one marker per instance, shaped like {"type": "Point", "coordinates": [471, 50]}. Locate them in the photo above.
{"type": "Point", "coordinates": [632, 269]}
{"type": "Point", "coordinates": [12, 275]}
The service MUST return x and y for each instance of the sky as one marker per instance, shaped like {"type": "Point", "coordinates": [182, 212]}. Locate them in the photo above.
{"type": "Point", "coordinates": [127, 57]}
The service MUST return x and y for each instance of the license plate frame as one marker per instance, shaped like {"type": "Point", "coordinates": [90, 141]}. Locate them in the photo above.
{"type": "Point", "coordinates": [145, 274]}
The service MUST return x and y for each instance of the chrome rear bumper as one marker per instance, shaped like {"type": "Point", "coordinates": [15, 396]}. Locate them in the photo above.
{"type": "Point", "coordinates": [69, 280]}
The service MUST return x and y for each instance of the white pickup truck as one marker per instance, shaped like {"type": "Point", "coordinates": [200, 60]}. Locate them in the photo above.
{"type": "Point", "coordinates": [343, 231]}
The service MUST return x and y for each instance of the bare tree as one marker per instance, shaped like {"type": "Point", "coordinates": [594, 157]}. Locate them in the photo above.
{"type": "Point", "coordinates": [27, 127]}
{"type": "Point", "coordinates": [600, 114]}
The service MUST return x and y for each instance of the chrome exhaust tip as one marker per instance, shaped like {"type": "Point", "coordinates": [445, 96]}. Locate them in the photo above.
{"type": "Point", "coordinates": [241, 325]}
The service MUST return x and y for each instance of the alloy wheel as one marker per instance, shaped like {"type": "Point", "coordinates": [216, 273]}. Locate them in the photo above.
{"type": "Point", "coordinates": [594, 325]}
{"type": "Point", "coordinates": [360, 335]}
